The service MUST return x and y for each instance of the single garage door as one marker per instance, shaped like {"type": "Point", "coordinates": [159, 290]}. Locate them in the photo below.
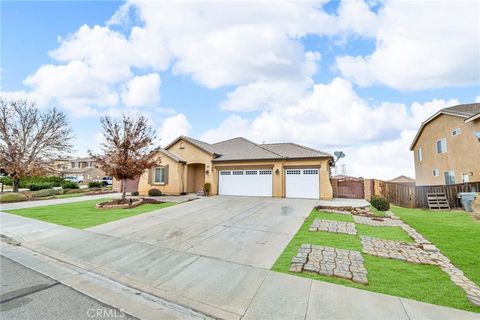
{"type": "Point", "coordinates": [245, 182]}
{"type": "Point", "coordinates": [302, 183]}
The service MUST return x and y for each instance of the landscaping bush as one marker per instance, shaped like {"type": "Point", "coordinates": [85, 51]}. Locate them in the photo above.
{"type": "Point", "coordinates": [134, 193]}
{"type": "Point", "coordinates": [70, 185]}
{"type": "Point", "coordinates": [44, 193]}
{"type": "Point", "coordinates": [70, 191]}
{"type": "Point", "coordinates": [6, 180]}
{"type": "Point", "coordinates": [380, 203]}
{"type": "Point", "coordinates": [54, 180]}
{"type": "Point", "coordinates": [95, 184]}
{"type": "Point", "coordinates": [206, 187]}
{"type": "Point", "coordinates": [12, 197]}
{"type": "Point", "coordinates": [154, 192]}
{"type": "Point", "coordinates": [40, 186]}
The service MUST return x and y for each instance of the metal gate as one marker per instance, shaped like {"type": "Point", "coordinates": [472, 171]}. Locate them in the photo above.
{"type": "Point", "coordinates": [350, 188]}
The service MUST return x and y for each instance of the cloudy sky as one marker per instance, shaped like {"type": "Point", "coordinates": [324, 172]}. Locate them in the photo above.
{"type": "Point", "coordinates": [358, 76]}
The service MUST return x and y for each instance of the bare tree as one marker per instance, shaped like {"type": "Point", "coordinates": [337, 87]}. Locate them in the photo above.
{"type": "Point", "coordinates": [128, 149]}
{"type": "Point", "coordinates": [29, 139]}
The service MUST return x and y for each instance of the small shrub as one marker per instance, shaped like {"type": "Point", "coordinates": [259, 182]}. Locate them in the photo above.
{"type": "Point", "coordinates": [12, 197]}
{"type": "Point", "coordinates": [6, 180]}
{"type": "Point", "coordinates": [134, 193]}
{"type": "Point", "coordinates": [207, 187]}
{"type": "Point", "coordinates": [154, 192]}
{"type": "Point", "coordinates": [380, 203]}
{"type": "Point", "coordinates": [70, 185]}
{"type": "Point", "coordinates": [95, 184]}
{"type": "Point", "coordinates": [70, 191]}
{"type": "Point", "coordinates": [43, 193]}
{"type": "Point", "coordinates": [40, 186]}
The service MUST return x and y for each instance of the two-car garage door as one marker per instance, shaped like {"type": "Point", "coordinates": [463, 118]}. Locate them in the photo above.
{"type": "Point", "coordinates": [245, 182]}
{"type": "Point", "coordinates": [299, 183]}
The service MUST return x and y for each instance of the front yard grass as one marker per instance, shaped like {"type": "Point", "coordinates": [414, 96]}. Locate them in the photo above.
{"type": "Point", "coordinates": [455, 233]}
{"type": "Point", "coordinates": [414, 281]}
{"type": "Point", "coordinates": [83, 214]}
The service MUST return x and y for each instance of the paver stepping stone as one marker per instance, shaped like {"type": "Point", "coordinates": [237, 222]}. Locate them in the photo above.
{"type": "Point", "coordinates": [377, 222]}
{"type": "Point", "coordinates": [330, 261]}
{"type": "Point", "coordinates": [333, 226]}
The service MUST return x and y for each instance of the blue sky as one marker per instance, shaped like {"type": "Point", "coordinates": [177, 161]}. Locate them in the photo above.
{"type": "Point", "coordinates": [348, 58]}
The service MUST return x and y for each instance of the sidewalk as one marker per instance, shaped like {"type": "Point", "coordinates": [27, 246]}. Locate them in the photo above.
{"type": "Point", "coordinates": [218, 288]}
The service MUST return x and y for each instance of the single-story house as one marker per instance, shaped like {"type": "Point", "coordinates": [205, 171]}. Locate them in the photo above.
{"type": "Point", "coordinates": [240, 167]}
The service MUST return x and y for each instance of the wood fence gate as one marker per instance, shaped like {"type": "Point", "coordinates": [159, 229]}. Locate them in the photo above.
{"type": "Point", "coordinates": [350, 188]}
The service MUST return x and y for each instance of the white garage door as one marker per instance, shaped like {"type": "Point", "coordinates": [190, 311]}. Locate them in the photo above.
{"type": "Point", "coordinates": [302, 183]}
{"type": "Point", "coordinates": [245, 182]}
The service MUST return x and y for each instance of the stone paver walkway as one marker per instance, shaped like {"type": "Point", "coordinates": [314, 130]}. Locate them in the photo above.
{"type": "Point", "coordinates": [395, 250]}
{"type": "Point", "coordinates": [377, 222]}
{"type": "Point", "coordinates": [333, 226]}
{"type": "Point", "coordinates": [330, 261]}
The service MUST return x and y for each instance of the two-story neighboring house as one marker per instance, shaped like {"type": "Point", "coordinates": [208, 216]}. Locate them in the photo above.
{"type": "Point", "coordinates": [82, 168]}
{"type": "Point", "coordinates": [447, 146]}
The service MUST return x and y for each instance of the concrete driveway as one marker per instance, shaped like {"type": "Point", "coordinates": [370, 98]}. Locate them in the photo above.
{"type": "Point", "coordinates": [246, 230]}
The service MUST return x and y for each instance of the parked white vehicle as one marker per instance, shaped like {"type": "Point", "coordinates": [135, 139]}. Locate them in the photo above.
{"type": "Point", "coordinates": [106, 181]}
{"type": "Point", "coordinates": [72, 179]}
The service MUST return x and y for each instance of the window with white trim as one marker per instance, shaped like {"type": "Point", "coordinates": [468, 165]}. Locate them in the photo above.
{"type": "Point", "coordinates": [265, 172]}
{"type": "Point", "coordinates": [441, 145]}
{"type": "Point", "coordinates": [449, 177]}
{"type": "Point", "coordinates": [251, 172]}
{"type": "Point", "coordinates": [225, 173]}
{"type": "Point", "coordinates": [159, 175]}
{"type": "Point", "coordinates": [465, 177]}
{"type": "Point", "coordinates": [456, 132]}
{"type": "Point", "coordinates": [237, 173]}
{"type": "Point", "coordinates": [435, 172]}
{"type": "Point", "coordinates": [310, 171]}
{"type": "Point", "coordinates": [419, 154]}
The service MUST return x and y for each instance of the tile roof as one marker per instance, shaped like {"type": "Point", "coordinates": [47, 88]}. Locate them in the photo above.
{"type": "Point", "coordinates": [171, 155]}
{"type": "Point", "coordinates": [242, 149]}
{"type": "Point", "coordinates": [293, 150]}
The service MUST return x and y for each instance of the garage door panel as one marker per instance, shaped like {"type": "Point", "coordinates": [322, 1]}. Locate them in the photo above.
{"type": "Point", "coordinates": [245, 182]}
{"type": "Point", "coordinates": [302, 183]}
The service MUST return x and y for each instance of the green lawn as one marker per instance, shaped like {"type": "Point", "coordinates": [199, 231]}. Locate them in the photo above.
{"type": "Point", "coordinates": [420, 282]}
{"type": "Point", "coordinates": [83, 214]}
{"type": "Point", "coordinates": [455, 233]}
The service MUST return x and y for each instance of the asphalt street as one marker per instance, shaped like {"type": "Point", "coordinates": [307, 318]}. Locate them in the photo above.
{"type": "Point", "coordinates": [27, 294]}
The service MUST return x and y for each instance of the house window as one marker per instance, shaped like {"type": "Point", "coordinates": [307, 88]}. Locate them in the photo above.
{"type": "Point", "coordinates": [449, 177]}
{"type": "Point", "coordinates": [159, 176]}
{"type": "Point", "coordinates": [442, 145]}
{"type": "Point", "coordinates": [456, 132]}
{"type": "Point", "coordinates": [419, 154]}
{"type": "Point", "coordinates": [436, 172]}
{"type": "Point", "coordinates": [465, 177]}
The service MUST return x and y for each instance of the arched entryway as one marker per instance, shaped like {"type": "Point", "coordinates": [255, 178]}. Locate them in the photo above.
{"type": "Point", "coordinates": [195, 176]}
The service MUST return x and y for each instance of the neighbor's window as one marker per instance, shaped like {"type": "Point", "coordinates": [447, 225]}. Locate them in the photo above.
{"type": "Point", "coordinates": [456, 132]}
{"type": "Point", "coordinates": [159, 175]}
{"type": "Point", "coordinates": [419, 154]}
{"type": "Point", "coordinates": [436, 172]}
{"type": "Point", "coordinates": [465, 177]}
{"type": "Point", "coordinates": [449, 177]}
{"type": "Point", "coordinates": [442, 145]}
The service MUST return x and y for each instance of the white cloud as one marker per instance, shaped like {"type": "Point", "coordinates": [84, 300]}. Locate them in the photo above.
{"type": "Point", "coordinates": [172, 127]}
{"type": "Point", "coordinates": [420, 45]}
{"type": "Point", "coordinates": [142, 91]}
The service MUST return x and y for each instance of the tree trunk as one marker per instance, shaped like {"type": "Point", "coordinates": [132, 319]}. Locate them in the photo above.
{"type": "Point", "coordinates": [15, 183]}
{"type": "Point", "coordinates": [124, 189]}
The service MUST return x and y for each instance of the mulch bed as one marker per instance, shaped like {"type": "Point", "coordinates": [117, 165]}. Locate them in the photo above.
{"type": "Point", "coordinates": [126, 204]}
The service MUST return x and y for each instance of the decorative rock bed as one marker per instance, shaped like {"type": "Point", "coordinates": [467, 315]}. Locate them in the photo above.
{"type": "Point", "coordinates": [330, 261]}
{"type": "Point", "coordinates": [132, 203]}
{"type": "Point", "coordinates": [333, 226]}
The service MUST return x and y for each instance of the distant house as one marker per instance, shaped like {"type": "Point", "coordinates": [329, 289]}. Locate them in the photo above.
{"type": "Point", "coordinates": [403, 180]}
{"type": "Point", "coordinates": [240, 167]}
{"type": "Point", "coordinates": [447, 146]}
{"type": "Point", "coordinates": [82, 168]}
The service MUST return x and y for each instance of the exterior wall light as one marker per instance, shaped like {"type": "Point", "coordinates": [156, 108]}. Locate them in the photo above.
{"type": "Point", "coordinates": [277, 171]}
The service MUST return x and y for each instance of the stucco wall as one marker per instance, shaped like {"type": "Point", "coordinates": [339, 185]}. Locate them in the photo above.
{"type": "Point", "coordinates": [174, 184]}
{"type": "Point", "coordinates": [462, 156]}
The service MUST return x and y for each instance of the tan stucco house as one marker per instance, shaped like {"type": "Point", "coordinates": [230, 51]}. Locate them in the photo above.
{"type": "Point", "coordinates": [447, 147]}
{"type": "Point", "coordinates": [240, 167]}
{"type": "Point", "coordinates": [82, 168]}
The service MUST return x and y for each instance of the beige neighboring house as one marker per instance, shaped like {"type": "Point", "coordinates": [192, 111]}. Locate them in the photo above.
{"type": "Point", "coordinates": [403, 180]}
{"type": "Point", "coordinates": [447, 147]}
{"type": "Point", "coordinates": [240, 167]}
{"type": "Point", "coordinates": [82, 168]}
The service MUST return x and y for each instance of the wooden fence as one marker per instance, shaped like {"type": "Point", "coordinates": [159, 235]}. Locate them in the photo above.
{"type": "Point", "coordinates": [416, 196]}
